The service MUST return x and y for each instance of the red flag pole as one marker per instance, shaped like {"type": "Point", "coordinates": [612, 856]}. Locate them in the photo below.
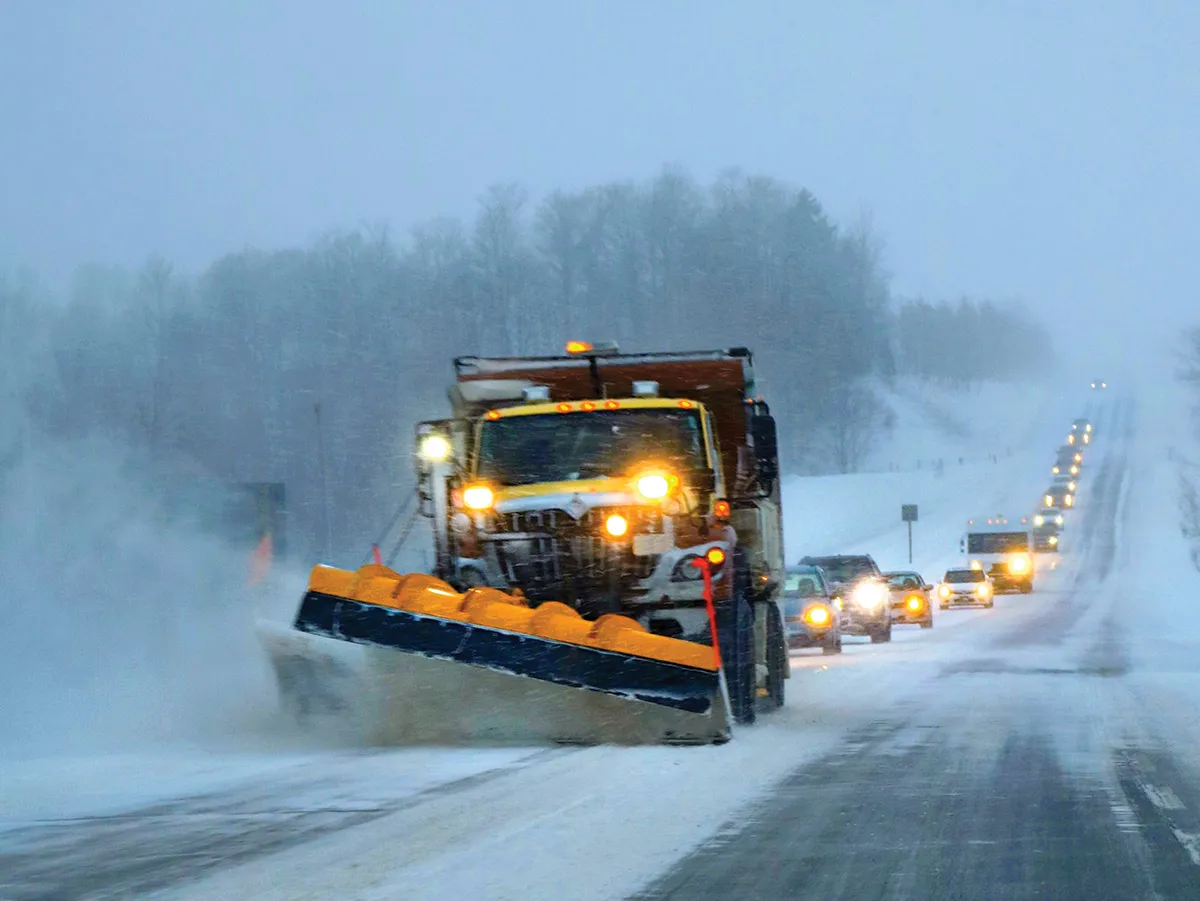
{"type": "Point", "coordinates": [702, 564]}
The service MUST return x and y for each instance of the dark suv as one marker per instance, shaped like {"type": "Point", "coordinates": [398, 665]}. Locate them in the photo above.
{"type": "Point", "coordinates": [860, 588]}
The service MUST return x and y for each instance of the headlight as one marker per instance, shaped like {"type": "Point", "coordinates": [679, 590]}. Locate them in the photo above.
{"type": "Point", "coordinates": [654, 486]}
{"type": "Point", "coordinates": [1055, 470]}
{"type": "Point", "coordinates": [1069, 500]}
{"type": "Point", "coordinates": [818, 616]}
{"type": "Point", "coordinates": [983, 590]}
{"type": "Point", "coordinates": [869, 594]}
{"type": "Point", "coordinates": [1053, 540]}
{"type": "Point", "coordinates": [1048, 500]}
{"type": "Point", "coordinates": [944, 591]}
{"type": "Point", "coordinates": [1019, 564]}
{"type": "Point", "coordinates": [435, 448]}
{"type": "Point", "coordinates": [1039, 520]}
{"type": "Point", "coordinates": [914, 603]}
{"type": "Point", "coordinates": [616, 525]}
{"type": "Point", "coordinates": [479, 497]}
{"type": "Point", "coordinates": [1058, 520]}
{"type": "Point", "coordinates": [975, 564]}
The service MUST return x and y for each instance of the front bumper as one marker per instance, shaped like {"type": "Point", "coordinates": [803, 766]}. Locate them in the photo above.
{"type": "Point", "coordinates": [864, 620]}
{"type": "Point", "coordinates": [965, 600]}
{"type": "Point", "coordinates": [806, 635]}
{"type": "Point", "coordinates": [902, 614]}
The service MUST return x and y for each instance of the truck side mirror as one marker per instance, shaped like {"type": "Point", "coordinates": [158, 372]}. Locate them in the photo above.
{"type": "Point", "coordinates": [766, 449]}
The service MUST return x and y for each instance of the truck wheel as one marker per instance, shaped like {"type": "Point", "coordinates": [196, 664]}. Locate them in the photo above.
{"type": "Point", "coordinates": [882, 635]}
{"type": "Point", "coordinates": [1026, 587]}
{"type": "Point", "coordinates": [832, 646]}
{"type": "Point", "coordinates": [927, 624]}
{"type": "Point", "coordinates": [777, 660]}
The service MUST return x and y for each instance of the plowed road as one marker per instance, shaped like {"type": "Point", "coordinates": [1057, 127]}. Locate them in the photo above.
{"type": "Point", "coordinates": [1049, 748]}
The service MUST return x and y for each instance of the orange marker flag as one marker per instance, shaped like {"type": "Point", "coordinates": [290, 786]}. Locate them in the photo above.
{"type": "Point", "coordinates": [260, 560]}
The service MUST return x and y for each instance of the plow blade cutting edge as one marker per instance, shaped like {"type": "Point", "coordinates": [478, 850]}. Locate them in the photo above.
{"type": "Point", "coordinates": [419, 663]}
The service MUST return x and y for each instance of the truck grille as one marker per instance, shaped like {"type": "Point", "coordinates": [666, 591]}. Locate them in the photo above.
{"type": "Point", "coordinates": [552, 556]}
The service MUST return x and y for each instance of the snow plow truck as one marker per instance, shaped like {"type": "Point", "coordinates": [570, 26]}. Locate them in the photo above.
{"type": "Point", "coordinates": [608, 550]}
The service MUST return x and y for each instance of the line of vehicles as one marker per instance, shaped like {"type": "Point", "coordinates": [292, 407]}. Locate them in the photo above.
{"type": "Point", "coordinates": [608, 566]}
{"type": "Point", "coordinates": [828, 597]}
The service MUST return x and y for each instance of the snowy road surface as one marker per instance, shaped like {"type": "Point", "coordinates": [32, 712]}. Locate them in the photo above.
{"type": "Point", "coordinates": [1049, 747]}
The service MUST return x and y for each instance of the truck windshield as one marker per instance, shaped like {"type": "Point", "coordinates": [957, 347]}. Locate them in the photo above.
{"type": "Point", "coordinates": [997, 543]}
{"type": "Point", "coordinates": [558, 447]}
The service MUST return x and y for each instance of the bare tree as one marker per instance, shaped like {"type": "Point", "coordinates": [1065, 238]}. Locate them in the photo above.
{"type": "Point", "coordinates": [855, 420]}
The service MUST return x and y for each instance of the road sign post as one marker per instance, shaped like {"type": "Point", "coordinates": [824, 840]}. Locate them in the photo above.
{"type": "Point", "coordinates": [908, 514]}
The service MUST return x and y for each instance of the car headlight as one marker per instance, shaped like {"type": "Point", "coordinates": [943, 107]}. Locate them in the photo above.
{"type": "Point", "coordinates": [983, 590]}
{"type": "Point", "coordinates": [1058, 520]}
{"type": "Point", "coordinates": [869, 595]}
{"type": "Point", "coordinates": [1039, 520]}
{"type": "Point", "coordinates": [818, 616]}
{"type": "Point", "coordinates": [1019, 564]}
{"type": "Point", "coordinates": [944, 591]}
{"type": "Point", "coordinates": [976, 565]}
{"type": "Point", "coordinates": [915, 603]}
{"type": "Point", "coordinates": [1053, 540]}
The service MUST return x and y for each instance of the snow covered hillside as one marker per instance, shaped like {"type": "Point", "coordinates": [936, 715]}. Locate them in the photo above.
{"type": "Point", "coordinates": [1005, 437]}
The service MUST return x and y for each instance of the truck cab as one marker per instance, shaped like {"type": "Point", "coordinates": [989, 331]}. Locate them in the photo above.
{"type": "Point", "coordinates": [1001, 550]}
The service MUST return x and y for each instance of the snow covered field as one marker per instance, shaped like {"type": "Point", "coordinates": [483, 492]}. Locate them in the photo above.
{"type": "Point", "coordinates": [600, 822]}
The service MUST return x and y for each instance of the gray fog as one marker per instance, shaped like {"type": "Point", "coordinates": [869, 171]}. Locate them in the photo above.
{"type": "Point", "coordinates": [1041, 151]}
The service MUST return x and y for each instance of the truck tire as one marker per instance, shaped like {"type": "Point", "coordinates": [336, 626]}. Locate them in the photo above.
{"type": "Point", "coordinates": [735, 634]}
{"type": "Point", "coordinates": [879, 636]}
{"type": "Point", "coordinates": [777, 660]}
{"type": "Point", "coordinates": [832, 646]}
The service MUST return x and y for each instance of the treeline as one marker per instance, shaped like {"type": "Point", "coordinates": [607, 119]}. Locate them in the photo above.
{"type": "Point", "coordinates": [959, 343]}
{"type": "Point", "coordinates": [310, 366]}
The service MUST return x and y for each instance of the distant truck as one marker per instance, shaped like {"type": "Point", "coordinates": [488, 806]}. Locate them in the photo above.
{"type": "Point", "coordinates": [1001, 550]}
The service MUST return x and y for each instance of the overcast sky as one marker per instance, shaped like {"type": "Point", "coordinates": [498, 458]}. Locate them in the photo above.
{"type": "Point", "coordinates": [1047, 150]}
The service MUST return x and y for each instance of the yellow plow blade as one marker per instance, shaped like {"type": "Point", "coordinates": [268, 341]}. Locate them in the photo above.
{"type": "Point", "coordinates": [434, 666]}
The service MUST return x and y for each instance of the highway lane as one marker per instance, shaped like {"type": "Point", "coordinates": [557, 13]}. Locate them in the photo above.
{"type": "Point", "coordinates": [1040, 765]}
